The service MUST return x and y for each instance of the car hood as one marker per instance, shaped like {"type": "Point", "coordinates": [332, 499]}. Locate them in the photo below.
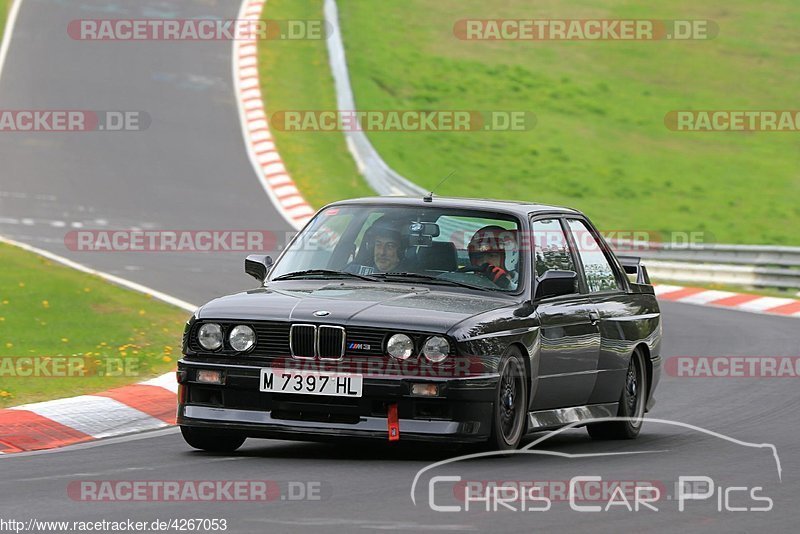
{"type": "Point", "coordinates": [381, 306]}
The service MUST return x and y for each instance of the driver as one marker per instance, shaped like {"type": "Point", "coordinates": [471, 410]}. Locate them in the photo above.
{"type": "Point", "coordinates": [487, 253]}
{"type": "Point", "coordinates": [384, 245]}
{"type": "Point", "coordinates": [387, 251]}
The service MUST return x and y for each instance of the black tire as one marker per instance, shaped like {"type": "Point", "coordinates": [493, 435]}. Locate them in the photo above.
{"type": "Point", "coordinates": [509, 421]}
{"type": "Point", "coordinates": [632, 404]}
{"type": "Point", "coordinates": [212, 440]}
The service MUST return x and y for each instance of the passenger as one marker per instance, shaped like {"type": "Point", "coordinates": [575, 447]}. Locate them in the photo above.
{"type": "Point", "coordinates": [487, 253]}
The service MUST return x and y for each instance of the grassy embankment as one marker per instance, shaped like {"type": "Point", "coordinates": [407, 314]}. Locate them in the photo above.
{"type": "Point", "coordinates": [600, 143]}
{"type": "Point", "coordinates": [110, 335]}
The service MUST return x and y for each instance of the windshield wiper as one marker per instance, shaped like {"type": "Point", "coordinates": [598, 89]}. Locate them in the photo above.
{"type": "Point", "coordinates": [428, 277]}
{"type": "Point", "coordinates": [324, 273]}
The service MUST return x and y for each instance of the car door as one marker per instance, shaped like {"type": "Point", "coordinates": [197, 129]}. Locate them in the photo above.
{"type": "Point", "coordinates": [606, 286]}
{"type": "Point", "coordinates": [570, 337]}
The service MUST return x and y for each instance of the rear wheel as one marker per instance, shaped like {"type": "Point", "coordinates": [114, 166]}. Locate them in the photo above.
{"type": "Point", "coordinates": [510, 406]}
{"type": "Point", "coordinates": [631, 404]}
{"type": "Point", "coordinates": [212, 440]}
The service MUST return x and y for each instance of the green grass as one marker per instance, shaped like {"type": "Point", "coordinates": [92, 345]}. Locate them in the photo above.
{"type": "Point", "coordinates": [600, 143]}
{"type": "Point", "coordinates": [5, 5]}
{"type": "Point", "coordinates": [47, 310]}
{"type": "Point", "coordinates": [295, 76]}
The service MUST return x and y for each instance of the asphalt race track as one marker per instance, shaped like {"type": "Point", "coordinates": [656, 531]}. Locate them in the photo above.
{"type": "Point", "coordinates": [189, 170]}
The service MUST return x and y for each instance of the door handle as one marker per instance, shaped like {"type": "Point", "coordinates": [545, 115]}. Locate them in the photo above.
{"type": "Point", "coordinates": [594, 317]}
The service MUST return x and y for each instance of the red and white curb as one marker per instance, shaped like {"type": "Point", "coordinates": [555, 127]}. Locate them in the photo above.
{"type": "Point", "coordinates": [786, 307]}
{"type": "Point", "coordinates": [261, 149]}
{"type": "Point", "coordinates": [151, 404]}
{"type": "Point", "coordinates": [46, 425]}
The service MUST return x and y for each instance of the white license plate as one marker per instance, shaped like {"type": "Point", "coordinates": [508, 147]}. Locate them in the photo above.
{"type": "Point", "coordinates": [308, 383]}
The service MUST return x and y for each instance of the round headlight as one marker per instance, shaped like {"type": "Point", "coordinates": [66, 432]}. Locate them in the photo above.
{"type": "Point", "coordinates": [436, 349]}
{"type": "Point", "coordinates": [400, 346]}
{"type": "Point", "coordinates": [242, 338]}
{"type": "Point", "coordinates": [210, 336]}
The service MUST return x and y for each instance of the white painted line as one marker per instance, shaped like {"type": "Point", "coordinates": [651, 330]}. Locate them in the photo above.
{"type": "Point", "coordinates": [99, 417]}
{"type": "Point", "coordinates": [105, 276]}
{"type": "Point", "coordinates": [6, 43]}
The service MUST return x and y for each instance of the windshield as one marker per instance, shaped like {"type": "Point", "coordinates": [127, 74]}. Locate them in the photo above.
{"type": "Point", "coordinates": [407, 245]}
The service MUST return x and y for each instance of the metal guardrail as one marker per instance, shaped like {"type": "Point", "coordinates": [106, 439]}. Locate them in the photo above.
{"type": "Point", "coordinates": [749, 265]}
{"type": "Point", "coordinates": [716, 273]}
{"type": "Point", "coordinates": [760, 255]}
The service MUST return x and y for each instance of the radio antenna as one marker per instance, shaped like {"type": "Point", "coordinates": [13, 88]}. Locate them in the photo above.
{"type": "Point", "coordinates": [429, 196]}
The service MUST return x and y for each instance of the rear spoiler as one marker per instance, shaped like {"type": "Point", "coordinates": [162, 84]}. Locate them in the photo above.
{"type": "Point", "coordinates": [633, 267]}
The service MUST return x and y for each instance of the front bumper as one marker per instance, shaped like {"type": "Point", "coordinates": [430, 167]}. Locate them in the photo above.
{"type": "Point", "coordinates": [461, 413]}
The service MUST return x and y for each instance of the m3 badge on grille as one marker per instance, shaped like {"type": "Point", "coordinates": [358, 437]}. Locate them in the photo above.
{"type": "Point", "coordinates": [359, 346]}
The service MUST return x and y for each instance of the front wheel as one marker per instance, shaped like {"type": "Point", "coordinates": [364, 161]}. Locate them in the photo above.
{"type": "Point", "coordinates": [211, 440]}
{"type": "Point", "coordinates": [631, 404]}
{"type": "Point", "coordinates": [510, 406]}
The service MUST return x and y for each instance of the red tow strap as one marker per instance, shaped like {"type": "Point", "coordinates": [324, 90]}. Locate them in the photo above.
{"type": "Point", "coordinates": [394, 423]}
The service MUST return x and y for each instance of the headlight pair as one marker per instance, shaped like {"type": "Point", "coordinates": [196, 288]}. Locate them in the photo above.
{"type": "Point", "coordinates": [435, 349]}
{"type": "Point", "coordinates": [241, 338]}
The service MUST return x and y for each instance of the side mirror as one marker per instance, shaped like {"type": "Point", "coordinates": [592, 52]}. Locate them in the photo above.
{"type": "Point", "coordinates": [257, 266]}
{"type": "Point", "coordinates": [555, 283]}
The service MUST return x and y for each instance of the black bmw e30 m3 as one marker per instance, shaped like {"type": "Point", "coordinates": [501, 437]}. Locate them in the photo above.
{"type": "Point", "coordinates": [457, 320]}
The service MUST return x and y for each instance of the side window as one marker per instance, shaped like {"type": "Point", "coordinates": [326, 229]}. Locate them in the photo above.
{"type": "Point", "coordinates": [551, 248]}
{"type": "Point", "coordinates": [599, 274]}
